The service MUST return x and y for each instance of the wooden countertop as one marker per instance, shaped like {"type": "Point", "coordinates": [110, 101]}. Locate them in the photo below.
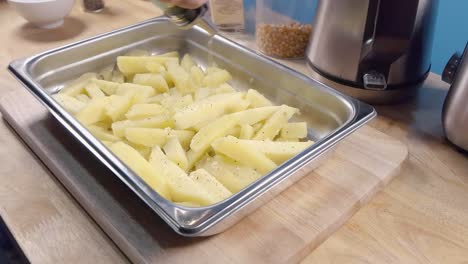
{"type": "Point", "coordinates": [420, 217]}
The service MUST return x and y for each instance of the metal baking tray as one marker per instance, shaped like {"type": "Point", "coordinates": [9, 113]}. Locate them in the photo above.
{"type": "Point", "coordinates": [330, 115]}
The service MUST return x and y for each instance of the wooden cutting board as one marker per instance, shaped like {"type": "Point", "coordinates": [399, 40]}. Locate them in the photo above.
{"type": "Point", "coordinates": [284, 230]}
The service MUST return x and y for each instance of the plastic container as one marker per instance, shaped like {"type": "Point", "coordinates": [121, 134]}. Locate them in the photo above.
{"type": "Point", "coordinates": [283, 27]}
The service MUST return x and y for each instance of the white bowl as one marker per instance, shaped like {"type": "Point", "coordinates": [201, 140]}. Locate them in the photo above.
{"type": "Point", "coordinates": [43, 13]}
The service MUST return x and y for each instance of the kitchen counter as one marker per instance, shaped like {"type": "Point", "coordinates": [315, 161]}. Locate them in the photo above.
{"type": "Point", "coordinates": [420, 217]}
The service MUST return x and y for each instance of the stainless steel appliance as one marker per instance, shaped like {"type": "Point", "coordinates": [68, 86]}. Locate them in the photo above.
{"type": "Point", "coordinates": [374, 45]}
{"type": "Point", "coordinates": [455, 112]}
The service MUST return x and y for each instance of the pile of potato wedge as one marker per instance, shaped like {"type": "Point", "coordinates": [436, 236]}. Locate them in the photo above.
{"type": "Point", "coordinates": [184, 130]}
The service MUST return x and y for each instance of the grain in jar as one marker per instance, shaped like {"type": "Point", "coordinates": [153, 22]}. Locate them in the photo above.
{"type": "Point", "coordinates": [283, 28]}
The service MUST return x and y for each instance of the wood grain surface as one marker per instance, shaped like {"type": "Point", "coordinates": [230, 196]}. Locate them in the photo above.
{"type": "Point", "coordinates": [282, 231]}
{"type": "Point", "coordinates": [420, 217]}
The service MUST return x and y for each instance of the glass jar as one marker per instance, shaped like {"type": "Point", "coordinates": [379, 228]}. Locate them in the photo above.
{"type": "Point", "coordinates": [283, 27]}
{"type": "Point", "coordinates": [228, 15]}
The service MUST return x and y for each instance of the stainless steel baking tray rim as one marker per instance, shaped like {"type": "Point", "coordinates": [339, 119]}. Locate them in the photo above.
{"type": "Point", "coordinates": [212, 219]}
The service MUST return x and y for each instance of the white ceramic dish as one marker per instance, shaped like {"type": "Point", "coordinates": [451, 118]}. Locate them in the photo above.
{"type": "Point", "coordinates": [43, 13]}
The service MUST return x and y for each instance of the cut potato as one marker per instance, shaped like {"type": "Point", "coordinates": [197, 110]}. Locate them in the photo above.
{"type": "Point", "coordinates": [222, 126]}
{"type": "Point", "coordinates": [143, 150]}
{"type": "Point", "coordinates": [203, 92]}
{"type": "Point", "coordinates": [109, 88]}
{"type": "Point", "coordinates": [216, 78]}
{"type": "Point", "coordinates": [154, 67]}
{"type": "Point", "coordinates": [195, 156]}
{"type": "Point", "coordinates": [160, 121]}
{"type": "Point", "coordinates": [181, 78]}
{"type": "Point", "coordinates": [197, 75]}
{"type": "Point", "coordinates": [235, 131]}
{"type": "Point", "coordinates": [246, 132]}
{"type": "Point", "coordinates": [214, 130]}
{"type": "Point", "coordinates": [244, 153]}
{"type": "Point", "coordinates": [232, 175]}
{"type": "Point", "coordinates": [151, 176]}
{"type": "Point", "coordinates": [294, 130]}
{"type": "Point", "coordinates": [130, 65]}
{"type": "Point", "coordinates": [279, 152]}
{"type": "Point", "coordinates": [140, 111]}
{"type": "Point", "coordinates": [118, 106]}
{"type": "Point", "coordinates": [117, 77]}
{"type": "Point", "coordinates": [187, 62]}
{"type": "Point", "coordinates": [176, 153]}
{"type": "Point", "coordinates": [182, 187]}
{"type": "Point", "coordinates": [206, 109]}
{"type": "Point", "coordinates": [273, 125]}
{"type": "Point", "coordinates": [154, 80]}
{"type": "Point", "coordinates": [188, 133]}
{"type": "Point", "coordinates": [140, 92]}
{"type": "Point", "coordinates": [154, 136]}
{"type": "Point", "coordinates": [106, 73]}
{"type": "Point", "coordinates": [70, 103]}
{"type": "Point", "coordinates": [102, 134]}
{"type": "Point", "coordinates": [256, 99]}
{"type": "Point", "coordinates": [225, 88]}
{"type": "Point", "coordinates": [210, 184]}
{"type": "Point", "coordinates": [175, 103]}
{"type": "Point", "coordinates": [77, 86]}
{"type": "Point", "coordinates": [93, 112]}
{"type": "Point", "coordinates": [94, 91]}
{"type": "Point", "coordinates": [82, 97]}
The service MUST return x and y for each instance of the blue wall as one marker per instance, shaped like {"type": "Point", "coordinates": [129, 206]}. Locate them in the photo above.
{"type": "Point", "coordinates": [451, 31]}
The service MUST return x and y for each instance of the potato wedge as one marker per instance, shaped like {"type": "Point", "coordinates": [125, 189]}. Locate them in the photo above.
{"type": "Point", "coordinates": [273, 125]}
{"type": "Point", "coordinates": [176, 153]}
{"type": "Point", "coordinates": [77, 86]}
{"type": "Point", "coordinates": [93, 112]}
{"type": "Point", "coordinates": [106, 73]}
{"type": "Point", "coordinates": [140, 92]}
{"type": "Point", "coordinates": [141, 111]}
{"type": "Point", "coordinates": [154, 80]}
{"type": "Point", "coordinates": [151, 176]}
{"type": "Point", "coordinates": [244, 153]}
{"type": "Point", "coordinates": [174, 103]}
{"type": "Point", "coordinates": [94, 91]}
{"type": "Point", "coordinates": [155, 136]}
{"type": "Point", "coordinates": [109, 88]}
{"type": "Point", "coordinates": [296, 130]}
{"type": "Point", "coordinates": [160, 121]}
{"type": "Point", "coordinates": [210, 184]}
{"type": "Point", "coordinates": [206, 109]}
{"type": "Point", "coordinates": [102, 134]}
{"type": "Point", "coordinates": [214, 130]}
{"type": "Point", "coordinates": [70, 103]}
{"type": "Point", "coordinates": [182, 187]}
{"type": "Point", "coordinates": [256, 99]}
{"type": "Point", "coordinates": [82, 97]}
{"type": "Point", "coordinates": [232, 175]}
{"type": "Point", "coordinates": [278, 152]}
{"type": "Point", "coordinates": [246, 131]}
{"type": "Point", "coordinates": [130, 65]}
{"type": "Point", "coordinates": [181, 78]}
{"type": "Point", "coordinates": [216, 78]}
{"type": "Point", "coordinates": [187, 62]}
{"type": "Point", "coordinates": [197, 75]}
{"type": "Point", "coordinates": [118, 106]}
